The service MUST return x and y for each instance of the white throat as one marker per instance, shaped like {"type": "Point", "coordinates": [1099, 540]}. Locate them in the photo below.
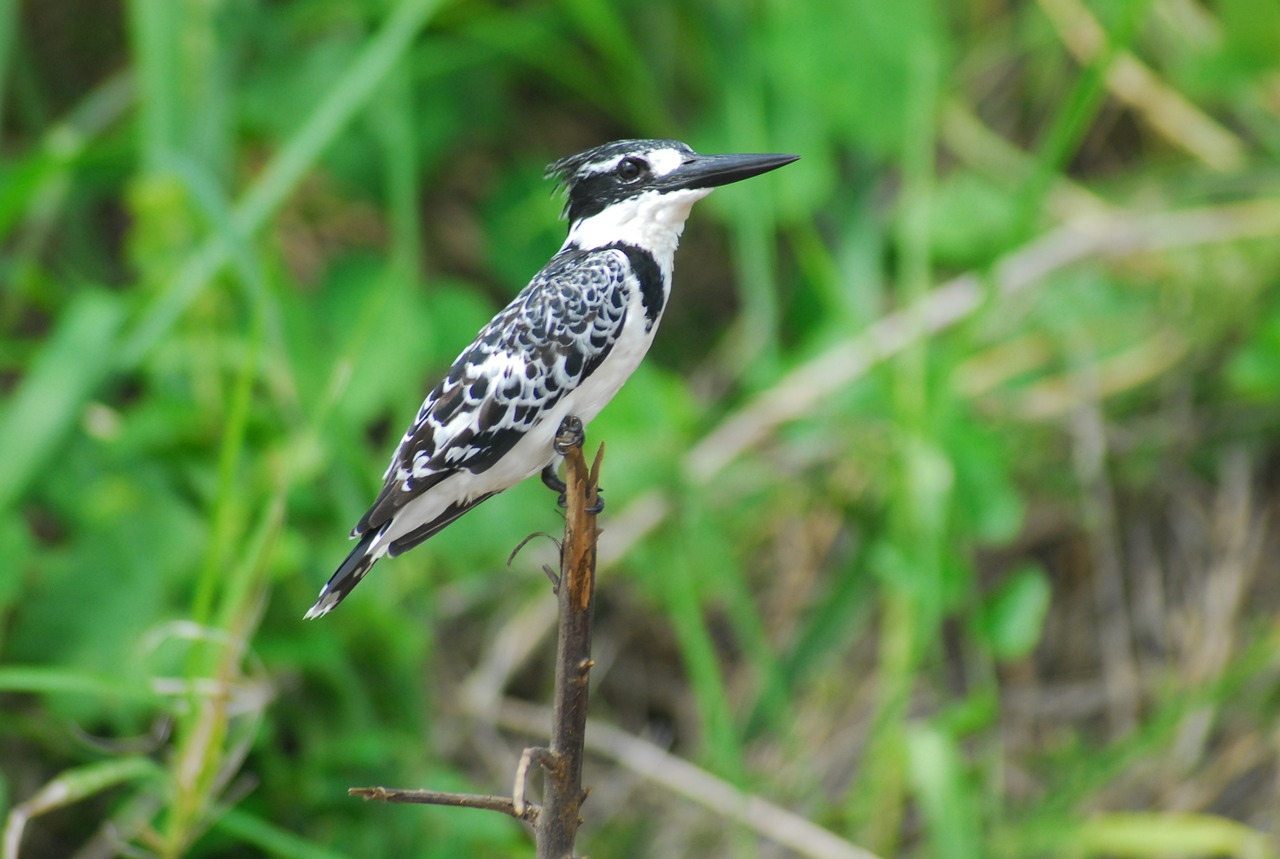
{"type": "Point", "coordinates": [651, 221]}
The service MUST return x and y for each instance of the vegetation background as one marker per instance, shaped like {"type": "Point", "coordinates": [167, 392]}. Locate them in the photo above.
{"type": "Point", "coordinates": [941, 520]}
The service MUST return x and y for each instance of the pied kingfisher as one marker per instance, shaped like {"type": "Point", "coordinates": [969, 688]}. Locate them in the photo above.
{"type": "Point", "coordinates": [562, 347]}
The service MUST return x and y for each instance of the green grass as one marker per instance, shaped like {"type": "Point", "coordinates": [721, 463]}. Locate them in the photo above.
{"type": "Point", "coordinates": [1000, 592]}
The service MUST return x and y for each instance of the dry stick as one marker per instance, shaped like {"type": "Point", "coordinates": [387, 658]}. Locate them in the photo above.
{"type": "Point", "coordinates": [1170, 113]}
{"type": "Point", "coordinates": [486, 802]}
{"type": "Point", "coordinates": [789, 829]}
{"type": "Point", "coordinates": [558, 826]}
{"type": "Point", "coordinates": [556, 821]}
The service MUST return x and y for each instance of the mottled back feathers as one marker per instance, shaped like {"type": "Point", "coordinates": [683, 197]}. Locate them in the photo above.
{"type": "Point", "coordinates": [553, 335]}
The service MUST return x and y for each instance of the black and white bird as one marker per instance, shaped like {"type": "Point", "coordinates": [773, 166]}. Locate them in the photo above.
{"type": "Point", "coordinates": [563, 346]}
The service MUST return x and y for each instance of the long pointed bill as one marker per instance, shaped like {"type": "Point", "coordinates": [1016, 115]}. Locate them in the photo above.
{"type": "Point", "coordinates": [711, 171]}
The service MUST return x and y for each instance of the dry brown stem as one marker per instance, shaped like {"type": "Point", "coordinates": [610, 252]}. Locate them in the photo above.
{"type": "Point", "coordinates": [555, 822]}
{"type": "Point", "coordinates": [563, 797]}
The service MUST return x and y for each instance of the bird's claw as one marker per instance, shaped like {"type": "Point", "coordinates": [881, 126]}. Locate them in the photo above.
{"type": "Point", "coordinates": [552, 481]}
{"type": "Point", "coordinates": [594, 509]}
{"type": "Point", "coordinates": [570, 435]}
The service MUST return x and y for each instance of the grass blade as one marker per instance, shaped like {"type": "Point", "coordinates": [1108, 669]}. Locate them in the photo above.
{"type": "Point", "coordinates": [48, 401]}
{"type": "Point", "coordinates": [273, 840]}
{"type": "Point", "coordinates": [352, 92]}
{"type": "Point", "coordinates": [44, 679]}
{"type": "Point", "coordinates": [72, 787]}
{"type": "Point", "coordinates": [8, 27]}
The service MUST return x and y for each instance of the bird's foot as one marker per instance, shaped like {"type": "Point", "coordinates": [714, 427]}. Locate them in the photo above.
{"type": "Point", "coordinates": [570, 435]}
{"type": "Point", "coordinates": [552, 481]}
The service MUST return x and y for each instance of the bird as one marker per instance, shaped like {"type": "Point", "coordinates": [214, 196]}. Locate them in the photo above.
{"type": "Point", "coordinates": [563, 347]}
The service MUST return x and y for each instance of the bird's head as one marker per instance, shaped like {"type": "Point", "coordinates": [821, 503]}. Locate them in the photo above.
{"type": "Point", "coordinates": [640, 190]}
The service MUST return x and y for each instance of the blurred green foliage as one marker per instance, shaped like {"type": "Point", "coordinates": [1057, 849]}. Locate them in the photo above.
{"type": "Point", "coordinates": [938, 516]}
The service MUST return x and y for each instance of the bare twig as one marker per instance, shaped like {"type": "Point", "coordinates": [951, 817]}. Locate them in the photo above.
{"type": "Point", "coordinates": [1120, 675]}
{"type": "Point", "coordinates": [679, 776]}
{"type": "Point", "coordinates": [563, 797]}
{"type": "Point", "coordinates": [1234, 551]}
{"type": "Point", "coordinates": [531, 754]}
{"type": "Point", "coordinates": [556, 821]}
{"type": "Point", "coordinates": [978, 146]}
{"type": "Point", "coordinates": [484, 802]}
{"type": "Point", "coordinates": [1170, 113]}
{"type": "Point", "coordinates": [507, 650]}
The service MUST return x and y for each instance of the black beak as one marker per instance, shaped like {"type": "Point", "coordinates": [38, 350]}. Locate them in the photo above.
{"type": "Point", "coordinates": [711, 171]}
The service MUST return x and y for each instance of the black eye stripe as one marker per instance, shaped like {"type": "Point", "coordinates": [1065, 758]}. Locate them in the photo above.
{"type": "Point", "coordinates": [600, 177]}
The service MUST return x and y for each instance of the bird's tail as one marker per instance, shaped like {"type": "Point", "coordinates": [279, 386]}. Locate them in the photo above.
{"type": "Point", "coordinates": [349, 573]}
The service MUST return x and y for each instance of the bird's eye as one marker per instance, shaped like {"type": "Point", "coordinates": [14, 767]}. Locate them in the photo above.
{"type": "Point", "coordinates": [631, 169]}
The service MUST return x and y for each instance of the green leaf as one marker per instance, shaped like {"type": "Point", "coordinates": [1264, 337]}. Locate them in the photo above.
{"type": "Point", "coordinates": [1012, 618]}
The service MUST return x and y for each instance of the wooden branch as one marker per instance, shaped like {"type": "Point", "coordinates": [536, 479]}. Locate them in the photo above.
{"type": "Point", "coordinates": [557, 826]}
{"type": "Point", "coordinates": [484, 802]}
{"type": "Point", "coordinates": [691, 784]}
{"type": "Point", "coordinates": [555, 822]}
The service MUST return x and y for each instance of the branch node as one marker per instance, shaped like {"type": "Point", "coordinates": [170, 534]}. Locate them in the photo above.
{"type": "Point", "coordinates": [370, 794]}
{"type": "Point", "coordinates": [553, 577]}
{"type": "Point", "coordinates": [522, 776]}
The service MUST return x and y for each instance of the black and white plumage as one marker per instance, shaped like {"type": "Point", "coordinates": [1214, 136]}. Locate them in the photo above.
{"type": "Point", "coordinates": [563, 346]}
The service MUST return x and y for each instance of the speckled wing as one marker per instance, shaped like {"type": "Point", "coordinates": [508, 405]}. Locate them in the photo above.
{"type": "Point", "coordinates": [550, 338]}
